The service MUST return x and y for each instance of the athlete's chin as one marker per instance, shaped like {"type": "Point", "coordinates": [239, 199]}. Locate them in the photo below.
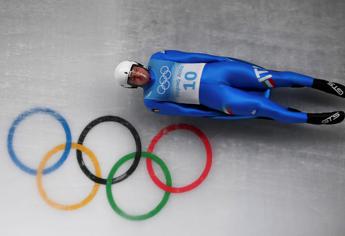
{"type": "Point", "coordinates": [142, 82]}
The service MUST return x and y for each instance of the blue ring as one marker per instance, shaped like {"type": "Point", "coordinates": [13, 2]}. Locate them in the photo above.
{"type": "Point", "coordinates": [13, 127]}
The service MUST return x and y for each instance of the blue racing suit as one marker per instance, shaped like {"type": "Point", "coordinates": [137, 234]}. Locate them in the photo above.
{"type": "Point", "coordinates": [203, 85]}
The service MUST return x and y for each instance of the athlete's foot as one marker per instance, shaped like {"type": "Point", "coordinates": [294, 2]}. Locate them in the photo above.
{"type": "Point", "coordinates": [329, 87]}
{"type": "Point", "coordinates": [328, 118]}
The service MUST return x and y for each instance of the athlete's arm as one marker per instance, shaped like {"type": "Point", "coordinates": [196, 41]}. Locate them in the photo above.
{"type": "Point", "coordinates": [170, 108]}
{"type": "Point", "coordinates": [188, 57]}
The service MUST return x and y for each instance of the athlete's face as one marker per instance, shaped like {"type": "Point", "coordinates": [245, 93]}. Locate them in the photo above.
{"type": "Point", "coordinates": [139, 76]}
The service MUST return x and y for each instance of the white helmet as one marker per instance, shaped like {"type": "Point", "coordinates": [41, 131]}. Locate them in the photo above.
{"type": "Point", "coordinates": [122, 71]}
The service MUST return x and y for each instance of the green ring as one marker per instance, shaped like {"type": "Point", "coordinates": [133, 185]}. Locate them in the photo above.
{"type": "Point", "coordinates": [109, 185]}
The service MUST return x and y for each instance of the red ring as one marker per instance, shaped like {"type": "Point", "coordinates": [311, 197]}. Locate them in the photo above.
{"type": "Point", "coordinates": [204, 173]}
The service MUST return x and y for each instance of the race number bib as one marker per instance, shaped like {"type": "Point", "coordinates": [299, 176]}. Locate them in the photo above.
{"type": "Point", "coordinates": [176, 82]}
{"type": "Point", "coordinates": [188, 82]}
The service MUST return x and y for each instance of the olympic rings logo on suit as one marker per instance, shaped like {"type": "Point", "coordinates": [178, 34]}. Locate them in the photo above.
{"type": "Point", "coordinates": [110, 180]}
{"type": "Point", "coordinates": [164, 83]}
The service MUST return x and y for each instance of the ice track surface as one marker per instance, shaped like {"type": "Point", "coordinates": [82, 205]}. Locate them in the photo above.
{"type": "Point", "coordinates": [266, 179]}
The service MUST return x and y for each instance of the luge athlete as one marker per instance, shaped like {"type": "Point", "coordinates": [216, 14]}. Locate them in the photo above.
{"type": "Point", "coordinates": [203, 85]}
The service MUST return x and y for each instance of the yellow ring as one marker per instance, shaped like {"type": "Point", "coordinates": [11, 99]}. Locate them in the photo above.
{"type": "Point", "coordinates": [44, 161]}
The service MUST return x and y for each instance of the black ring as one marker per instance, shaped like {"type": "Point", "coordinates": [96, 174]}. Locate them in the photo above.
{"type": "Point", "coordinates": [137, 153]}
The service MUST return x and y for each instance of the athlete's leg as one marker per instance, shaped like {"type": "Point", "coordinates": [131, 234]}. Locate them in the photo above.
{"type": "Point", "coordinates": [292, 79]}
{"type": "Point", "coordinates": [247, 76]}
{"type": "Point", "coordinates": [237, 102]}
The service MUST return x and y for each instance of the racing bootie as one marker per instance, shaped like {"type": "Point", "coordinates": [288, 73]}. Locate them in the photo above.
{"type": "Point", "coordinates": [329, 87]}
{"type": "Point", "coordinates": [328, 118]}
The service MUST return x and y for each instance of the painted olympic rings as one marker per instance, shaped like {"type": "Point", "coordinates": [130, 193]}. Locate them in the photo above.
{"type": "Point", "coordinates": [160, 205]}
{"type": "Point", "coordinates": [44, 161]}
{"type": "Point", "coordinates": [137, 143]}
{"type": "Point", "coordinates": [96, 178]}
{"type": "Point", "coordinates": [204, 173]}
{"type": "Point", "coordinates": [12, 130]}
